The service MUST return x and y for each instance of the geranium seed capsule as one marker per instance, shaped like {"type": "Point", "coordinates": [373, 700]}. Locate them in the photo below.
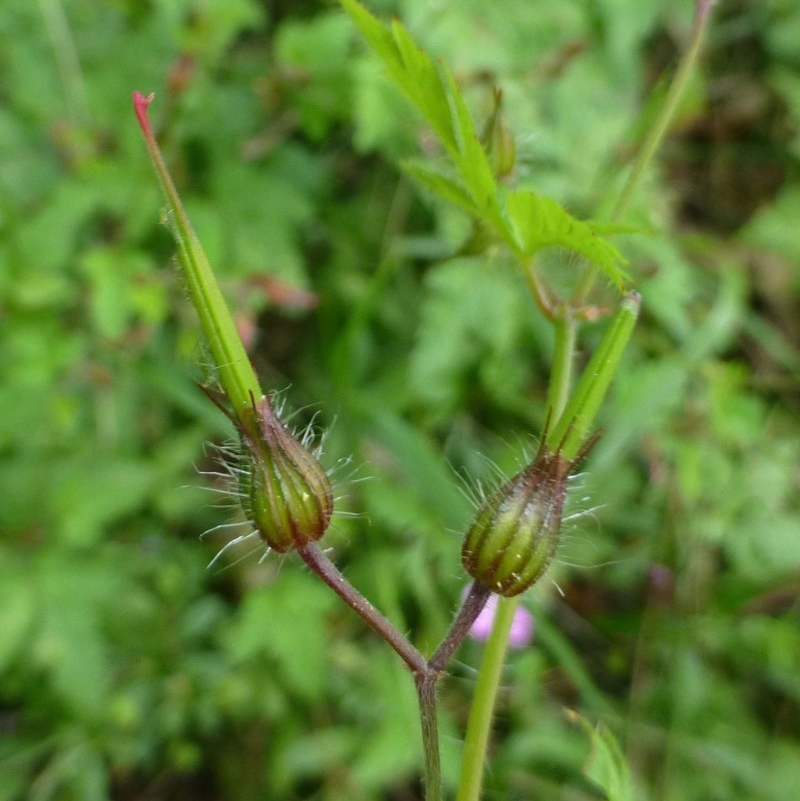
{"type": "Point", "coordinates": [284, 491]}
{"type": "Point", "coordinates": [287, 494]}
{"type": "Point", "coordinates": [514, 534]}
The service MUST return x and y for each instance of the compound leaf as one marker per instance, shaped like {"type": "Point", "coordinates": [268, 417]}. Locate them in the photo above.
{"type": "Point", "coordinates": [541, 222]}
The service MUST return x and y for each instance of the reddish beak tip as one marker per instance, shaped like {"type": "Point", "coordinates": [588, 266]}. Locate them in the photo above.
{"type": "Point", "coordinates": [140, 104]}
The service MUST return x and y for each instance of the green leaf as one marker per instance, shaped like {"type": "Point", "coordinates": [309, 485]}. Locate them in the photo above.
{"type": "Point", "coordinates": [118, 286]}
{"type": "Point", "coordinates": [438, 181]}
{"type": "Point", "coordinates": [768, 228]}
{"type": "Point", "coordinates": [433, 90]}
{"type": "Point", "coordinates": [389, 755]}
{"type": "Point", "coordinates": [316, 753]}
{"type": "Point", "coordinates": [314, 54]}
{"type": "Point", "coordinates": [525, 221]}
{"type": "Point", "coordinates": [412, 70]}
{"type": "Point", "coordinates": [606, 765]}
{"type": "Point", "coordinates": [473, 162]}
{"type": "Point", "coordinates": [417, 462]}
{"type": "Point", "coordinates": [70, 648]}
{"type": "Point", "coordinates": [91, 491]}
{"type": "Point", "coordinates": [540, 222]}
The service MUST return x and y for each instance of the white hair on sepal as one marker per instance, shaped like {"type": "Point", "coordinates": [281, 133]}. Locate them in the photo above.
{"type": "Point", "coordinates": [574, 534]}
{"type": "Point", "coordinates": [231, 473]}
{"type": "Point", "coordinates": [555, 583]}
{"type": "Point", "coordinates": [232, 544]}
{"type": "Point", "coordinates": [311, 434]}
{"type": "Point", "coordinates": [477, 490]}
{"type": "Point", "coordinates": [231, 468]}
{"type": "Point", "coordinates": [222, 527]}
{"type": "Point", "coordinates": [521, 450]}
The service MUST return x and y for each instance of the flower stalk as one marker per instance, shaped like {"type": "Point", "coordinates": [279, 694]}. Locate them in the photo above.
{"type": "Point", "coordinates": [285, 492]}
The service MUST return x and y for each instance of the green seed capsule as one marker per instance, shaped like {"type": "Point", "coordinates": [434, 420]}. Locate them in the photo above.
{"type": "Point", "coordinates": [514, 534]}
{"type": "Point", "coordinates": [286, 494]}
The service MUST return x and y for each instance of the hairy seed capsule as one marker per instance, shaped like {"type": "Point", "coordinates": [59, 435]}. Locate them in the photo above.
{"type": "Point", "coordinates": [514, 534]}
{"type": "Point", "coordinates": [286, 494]}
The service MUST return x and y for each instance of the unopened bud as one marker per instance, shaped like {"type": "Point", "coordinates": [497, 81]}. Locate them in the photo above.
{"type": "Point", "coordinates": [514, 535]}
{"type": "Point", "coordinates": [499, 141]}
{"type": "Point", "coordinates": [286, 493]}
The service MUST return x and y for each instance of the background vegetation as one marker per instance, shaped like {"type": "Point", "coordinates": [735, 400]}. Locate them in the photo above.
{"type": "Point", "coordinates": [130, 671]}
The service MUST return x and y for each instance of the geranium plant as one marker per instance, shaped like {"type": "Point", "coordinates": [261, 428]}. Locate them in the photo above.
{"type": "Point", "coordinates": [285, 493]}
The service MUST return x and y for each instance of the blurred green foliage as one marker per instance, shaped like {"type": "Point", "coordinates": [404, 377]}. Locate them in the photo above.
{"type": "Point", "coordinates": [128, 670]}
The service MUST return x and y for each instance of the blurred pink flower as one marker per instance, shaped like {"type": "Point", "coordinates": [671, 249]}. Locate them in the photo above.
{"type": "Point", "coordinates": [522, 627]}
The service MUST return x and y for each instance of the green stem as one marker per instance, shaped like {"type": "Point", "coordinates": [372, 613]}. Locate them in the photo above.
{"type": "Point", "coordinates": [483, 702]}
{"type": "Point", "coordinates": [566, 331]}
{"type": "Point", "coordinates": [480, 718]}
{"type": "Point", "coordinates": [656, 132]}
{"type": "Point", "coordinates": [574, 419]}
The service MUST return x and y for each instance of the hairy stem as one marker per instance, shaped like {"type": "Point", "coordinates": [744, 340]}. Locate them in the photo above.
{"type": "Point", "coordinates": [426, 686]}
{"type": "Point", "coordinates": [426, 674]}
{"type": "Point", "coordinates": [473, 605]}
{"type": "Point", "coordinates": [426, 694]}
{"type": "Point", "coordinates": [330, 574]}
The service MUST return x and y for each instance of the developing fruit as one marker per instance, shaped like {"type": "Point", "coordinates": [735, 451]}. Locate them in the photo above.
{"type": "Point", "coordinates": [514, 534]}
